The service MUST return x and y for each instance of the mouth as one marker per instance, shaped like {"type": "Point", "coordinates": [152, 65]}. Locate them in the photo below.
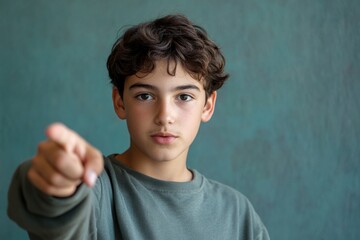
{"type": "Point", "coordinates": [163, 138]}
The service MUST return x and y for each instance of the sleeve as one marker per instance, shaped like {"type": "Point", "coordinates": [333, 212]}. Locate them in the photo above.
{"type": "Point", "coordinates": [255, 228]}
{"type": "Point", "coordinates": [260, 231]}
{"type": "Point", "coordinates": [263, 233]}
{"type": "Point", "coordinates": [46, 217]}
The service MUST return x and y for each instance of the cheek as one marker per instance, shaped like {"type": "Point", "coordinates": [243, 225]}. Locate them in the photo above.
{"type": "Point", "coordinates": [191, 118]}
{"type": "Point", "coordinates": [138, 118]}
{"type": "Point", "coordinates": [134, 117]}
{"type": "Point", "coordinates": [137, 113]}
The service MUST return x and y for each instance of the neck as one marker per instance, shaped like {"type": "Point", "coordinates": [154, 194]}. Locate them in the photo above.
{"type": "Point", "coordinates": [171, 170]}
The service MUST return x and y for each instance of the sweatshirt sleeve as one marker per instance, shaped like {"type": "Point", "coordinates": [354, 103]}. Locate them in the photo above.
{"type": "Point", "coordinates": [46, 217]}
{"type": "Point", "coordinates": [260, 230]}
{"type": "Point", "coordinates": [262, 234]}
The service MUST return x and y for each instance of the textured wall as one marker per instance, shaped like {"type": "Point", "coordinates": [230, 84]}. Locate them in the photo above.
{"type": "Point", "coordinates": [286, 131]}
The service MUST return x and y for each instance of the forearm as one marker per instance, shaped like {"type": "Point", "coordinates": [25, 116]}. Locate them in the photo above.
{"type": "Point", "coordinates": [46, 217]}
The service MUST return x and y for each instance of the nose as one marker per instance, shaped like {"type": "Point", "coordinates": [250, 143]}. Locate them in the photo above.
{"type": "Point", "coordinates": [165, 114]}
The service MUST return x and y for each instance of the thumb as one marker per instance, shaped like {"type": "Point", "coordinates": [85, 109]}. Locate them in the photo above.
{"type": "Point", "coordinates": [93, 166]}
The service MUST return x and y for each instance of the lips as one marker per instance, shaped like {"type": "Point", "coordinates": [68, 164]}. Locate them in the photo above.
{"type": "Point", "coordinates": [163, 138]}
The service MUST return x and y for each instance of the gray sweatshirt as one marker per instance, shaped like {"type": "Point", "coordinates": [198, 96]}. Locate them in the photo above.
{"type": "Point", "coordinates": [125, 204]}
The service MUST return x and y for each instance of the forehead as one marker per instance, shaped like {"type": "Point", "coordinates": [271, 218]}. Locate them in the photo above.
{"type": "Point", "coordinates": [161, 77]}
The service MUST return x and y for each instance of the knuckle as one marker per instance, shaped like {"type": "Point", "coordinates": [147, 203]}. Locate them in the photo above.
{"type": "Point", "coordinates": [35, 161]}
{"type": "Point", "coordinates": [48, 189]}
{"type": "Point", "coordinates": [77, 183]}
{"type": "Point", "coordinates": [54, 179]}
{"type": "Point", "coordinates": [94, 153]}
{"type": "Point", "coordinates": [60, 160]}
{"type": "Point", "coordinates": [41, 185]}
{"type": "Point", "coordinates": [64, 192]}
{"type": "Point", "coordinates": [41, 146]}
{"type": "Point", "coordinates": [97, 153]}
{"type": "Point", "coordinates": [30, 175]}
{"type": "Point", "coordinates": [71, 189]}
{"type": "Point", "coordinates": [46, 149]}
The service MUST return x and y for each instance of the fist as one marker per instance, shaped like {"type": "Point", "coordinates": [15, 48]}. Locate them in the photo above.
{"type": "Point", "coordinates": [63, 161]}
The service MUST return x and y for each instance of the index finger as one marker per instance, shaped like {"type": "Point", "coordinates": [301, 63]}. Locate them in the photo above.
{"type": "Point", "coordinates": [66, 138]}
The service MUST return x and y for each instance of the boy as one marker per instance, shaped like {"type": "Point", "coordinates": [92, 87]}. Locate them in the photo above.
{"type": "Point", "coordinates": [165, 75]}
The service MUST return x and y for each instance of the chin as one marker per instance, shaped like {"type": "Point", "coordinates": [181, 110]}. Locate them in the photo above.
{"type": "Point", "coordinates": [162, 157]}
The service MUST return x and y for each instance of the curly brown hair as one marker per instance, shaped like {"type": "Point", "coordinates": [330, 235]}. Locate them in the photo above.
{"type": "Point", "coordinates": [173, 38]}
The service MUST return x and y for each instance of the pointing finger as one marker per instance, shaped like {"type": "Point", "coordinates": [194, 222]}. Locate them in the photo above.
{"type": "Point", "coordinates": [69, 140]}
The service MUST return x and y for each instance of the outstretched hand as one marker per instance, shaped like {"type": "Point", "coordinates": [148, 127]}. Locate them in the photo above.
{"type": "Point", "coordinates": [63, 161]}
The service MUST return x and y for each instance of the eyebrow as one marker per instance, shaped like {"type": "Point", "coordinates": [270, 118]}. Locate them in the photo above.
{"type": "Point", "coordinates": [142, 85]}
{"type": "Point", "coordinates": [151, 87]}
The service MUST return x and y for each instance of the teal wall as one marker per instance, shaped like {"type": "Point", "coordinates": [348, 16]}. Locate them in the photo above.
{"type": "Point", "coordinates": [286, 131]}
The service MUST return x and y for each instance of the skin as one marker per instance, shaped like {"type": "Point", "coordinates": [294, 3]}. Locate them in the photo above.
{"type": "Point", "coordinates": [163, 114]}
{"type": "Point", "coordinates": [63, 161]}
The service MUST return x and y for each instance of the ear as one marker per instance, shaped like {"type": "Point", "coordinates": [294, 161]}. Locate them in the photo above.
{"type": "Point", "coordinates": [118, 102]}
{"type": "Point", "coordinates": [209, 107]}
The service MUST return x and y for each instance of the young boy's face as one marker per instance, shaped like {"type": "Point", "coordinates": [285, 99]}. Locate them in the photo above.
{"type": "Point", "coordinates": [163, 112]}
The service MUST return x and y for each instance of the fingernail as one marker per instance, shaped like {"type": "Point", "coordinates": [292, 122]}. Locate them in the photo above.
{"type": "Point", "coordinates": [91, 177]}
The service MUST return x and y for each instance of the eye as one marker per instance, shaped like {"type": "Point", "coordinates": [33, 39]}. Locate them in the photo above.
{"type": "Point", "coordinates": [144, 97]}
{"type": "Point", "coordinates": [185, 97]}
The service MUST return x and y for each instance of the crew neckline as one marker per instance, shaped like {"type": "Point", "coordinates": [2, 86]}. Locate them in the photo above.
{"type": "Point", "coordinates": [154, 184]}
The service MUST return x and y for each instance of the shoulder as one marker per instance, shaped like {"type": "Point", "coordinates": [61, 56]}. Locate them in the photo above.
{"type": "Point", "coordinates": [230, 199]}
{"type": "Point", "coordinates": [234, 203]}
{"type": "Point", "coordinates": [224, 191]}
{"type": "Point", "coordinates": [110, 177]}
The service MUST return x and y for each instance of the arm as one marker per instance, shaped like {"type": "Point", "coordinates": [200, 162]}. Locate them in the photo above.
{"type": "Point", "coordinates": [44, 216]}
{"type": "Point", "coordinates": [260, 230]}
{"type": "Point", "coordinates": [49, 200]}
{"type": "Point", "coordinates": [263, 234]}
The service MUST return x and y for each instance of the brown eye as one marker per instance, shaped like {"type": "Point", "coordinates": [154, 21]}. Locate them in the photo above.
{"type": "Point", "coordinates": [185, 97]}
{"type": "Point", "coordinates": [144, 97]}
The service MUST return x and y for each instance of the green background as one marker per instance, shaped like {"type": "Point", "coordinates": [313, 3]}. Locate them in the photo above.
{"type": "Point", "coordinates": [286, 131]}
